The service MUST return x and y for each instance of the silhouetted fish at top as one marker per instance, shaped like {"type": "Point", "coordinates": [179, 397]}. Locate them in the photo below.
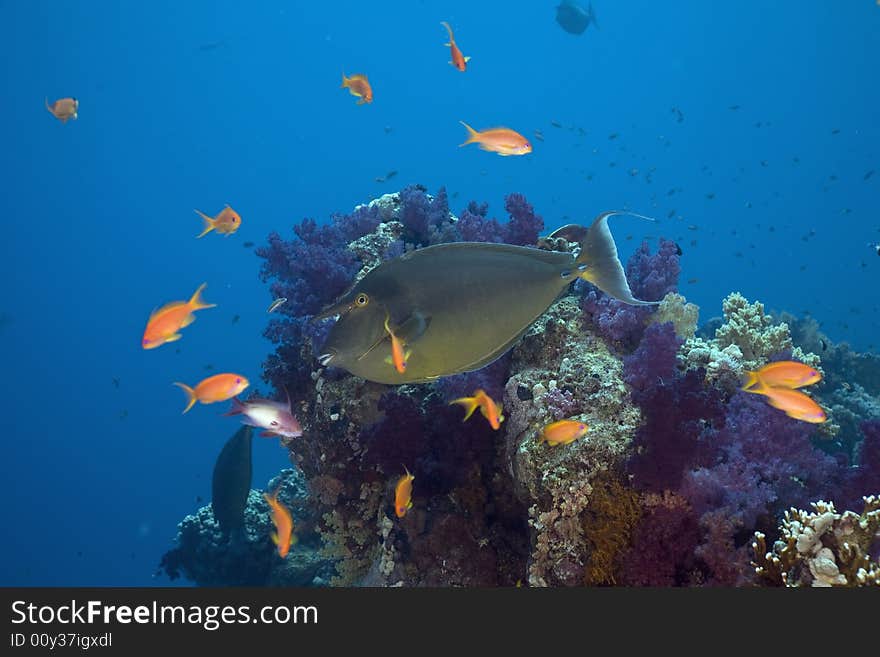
{"type": "Point", "coordinates": [573, 18]}
{"type": "Point", "coordinates": [457, 307]}
{"type": "Point", "coordinates": [231, 482]}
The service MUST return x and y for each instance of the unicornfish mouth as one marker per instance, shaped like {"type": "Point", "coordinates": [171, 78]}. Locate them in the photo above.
{"type": "Point", "coordinates": [325, 359]}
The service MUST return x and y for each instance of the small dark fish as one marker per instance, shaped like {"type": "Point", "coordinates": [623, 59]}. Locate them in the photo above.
{"type": "Point", "coordinates": [212, 46]}
{"type": "Point", "coordinates": [235, 319]}
{"type": "Point", "coordinates": [390, 175]}
{"type": "Point", "coordinates": [248, 245]}
{"type": "Point", "coordinates": [836, 131]}
{"type": "Point", "coordinates": [670, 214]}
{"type": "Point", "coordinates": [116, 382]}
{"type": "Point", "coordinates": [693, 227]}
{"type": "Point", "coordinates": [556, 124]}
{"type": "Point", "coordinates": [123, 414]}
{"type": "Point", "coordinates": [573, 18]}
{"type": "Point", "coordinates": [275, 305]}
{"type": "Point", "coordinates": [388, 129]}
{"type": "Point", "coordinates": [677, 249]}
{"type": "Point", "coordinates": [379, 179]}
{"type": "Point", "coordinates": [868, 175]}
{"type": "Point", "coordinates": [539, 135]}
{"type": "Point", "coordinates": [208, 367]}
{"type": "Point", "coordinates": [733, 107]}
{"type": "Point", "coordinates": [823, 344]}
{"type": "Point", "coordinates": [679, 115]}
{"type": "Point", "coordinates": [691, 281]}
{"type": "Point", "coordinates": [231, 481]}
{"type": "Point", "coordinates": [763, 163]}
{"type": "Point", "coordinates": [198, 499]}
{"type": "Point", "coordinates": [876, 248]}
{"type": "Point", "coordinates": [613, 135]}
{"type": "Point", "coordinates": [710, 196]}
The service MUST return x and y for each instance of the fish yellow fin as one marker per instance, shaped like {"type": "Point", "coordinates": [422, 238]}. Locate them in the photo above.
{"type": "Point", "coordinates": [174, 337]}
{"type": "Point", "coordinates": [470, 404]}
{"type": "Point", "coordinates": [467, 58]}
{"type": "Point", "coordinates": [190, 393]}
{"type": "Point", "coordinates": [189, 319]}
{"type": "Point", "coordinates": [406, 355]}
{"type": "Point", "coordinates": [209, 224]}
{"type": "Point", "coordinates": [752, 380]}
{"type": "Point", "coordinates": [473, 135]}
{"type": "Point", "coordinates": [196, 300]}
{"type": "Point", "coordinates": [275, 538]}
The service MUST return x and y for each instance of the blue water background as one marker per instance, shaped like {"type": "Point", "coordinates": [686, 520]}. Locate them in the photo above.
{"type": "Point", "coordinates": [195, 104]}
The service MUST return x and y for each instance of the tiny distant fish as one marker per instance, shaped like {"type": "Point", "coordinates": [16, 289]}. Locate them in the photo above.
{"type": "Point", "coordinates": [388, 129]}
{"type": "Point", "coordinates": [390, 174]}
{"type": "Point", "coordinates": [710, 196]}
{"type": "Point", "coordinates": [679, 115]}
{"type": "Point", "coordinates": [115, 382]}
{"type": "Point", "coordinates": [539, 135]}
{"type": "Point", "coordinates": [359, 86]}
{"type": "Point", "coordinates": [613, 136]}
{"type": "Point", "coordinates": [208, 367]}
{"type": "Point", "coordinates": [503, 141]}
{"type": "Point", "coordinates": [868, 175]}
{"type": "Point", "coordinates": [556, 124]}
{"type": "Point", "coordinates": [733, 107]}
{"type": "Point", "coordinates": [123, 414]}
{"type": "Point", "coordinates": [64, 109]}
{"type": "Point", "coordinates": [836, 131]}
{"type": "Point", "coordinates": [248, 245]}
{"type": "Point", "coordinates": [670, 214]}
{"type": "Point", "coordinates": [226, 222]}
{"type": "Point", "coordinates": [691, 281]}
{"type": "Point", "coordinates": [275, 305]}
{"type": "Point", "coordinates": [212, 45]}
{"type": "Point", "coordinates": [235, 319]}
{"type": "Point", "coordinates": [379, 179]}
{"type": "Point", "coordinates": [693, 227]}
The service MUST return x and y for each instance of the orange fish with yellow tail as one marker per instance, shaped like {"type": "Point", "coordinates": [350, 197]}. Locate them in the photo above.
{"type": "Point", "coordinates": [490, 410]}
{"type": "Point", "coordinates": [226, 222]}
{"type": "Point", "coordinates": [459, 61]}
{"type": "Point", "coordinates": [398, 355]}
{"type": "Point", "coordinates": [165, 323]}
{"type": "Point", "coordinates": [403, 494]}
{"type": "Point", "coordinates": [793, 403]}
{"type": "Point", "coordinates": [283, 535]}
{"type": "Point", "coordinates": [783, 374]}
{"type": "Point", "coordinates": [503, 141]}
{"type": "Point", "coordinates": [562, 432]}
{"type": "Point", "coordinates": [217, 388]}
{"type": "Point", "coordinates": [359, 86]}
{"type": "Point", "coordinates": [64, 109]}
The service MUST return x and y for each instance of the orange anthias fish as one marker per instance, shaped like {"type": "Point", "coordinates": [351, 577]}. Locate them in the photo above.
{"type": "Point", "coordinates": [359, 86]}
{"type": "Point", "coordinates": [562, 432]}
{"type": "Point", "coordinates": [503, 141]}
{"type": "Point", "coordinates": [398, 355]}
{"type": "Point", "coordinates": [794, 403]}
{"type": "Point", "coordinates": [219, 387]}
{"type": "Point", "coordinates": [783, 374]}
{"type": "Point", "coordinates": [283, 535]}
{"type": "Point", "coordinates": [490, 410]}
{"type": "Point", "coordinates": [64, 109]}
{"type": "Point", "coordinates": [403, 494]}
{"type": "Point", "coordinates": [459, 61]}
{"type": "Point", "coordinates": [164, 323]}
{"type": "Point", "coordinates": [225, 223]}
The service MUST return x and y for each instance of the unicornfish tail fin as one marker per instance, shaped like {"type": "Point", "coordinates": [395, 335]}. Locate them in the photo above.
{"type": "Point", "coordinates": [599, 263]}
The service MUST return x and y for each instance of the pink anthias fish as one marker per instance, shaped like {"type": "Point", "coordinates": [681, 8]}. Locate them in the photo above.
{"type": "Point", "coordinates": [275, 417]}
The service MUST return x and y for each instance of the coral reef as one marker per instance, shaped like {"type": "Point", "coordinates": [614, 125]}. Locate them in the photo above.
{"type": "Point", "coordinates": [249, 558]}
{"type": "Point", "coordinates": [822, 548]}
{"type": "Point", "coordinates": [676, 473]}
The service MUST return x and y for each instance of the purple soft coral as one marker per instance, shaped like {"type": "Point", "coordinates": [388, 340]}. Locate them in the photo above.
{"type": "Point", "coordinates": [651, 277]}
{"type": "Point", "coordinates": [524, 225]}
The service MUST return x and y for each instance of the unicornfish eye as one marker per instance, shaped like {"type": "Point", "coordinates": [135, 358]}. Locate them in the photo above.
{"type": "Point", "coordinates": [362, 300]}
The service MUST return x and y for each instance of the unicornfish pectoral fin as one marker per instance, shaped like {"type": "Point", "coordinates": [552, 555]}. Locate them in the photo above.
{"type": "Point", "coordinates": [599, 263]}
{"type": "Point", "coordinates": [413, 327]}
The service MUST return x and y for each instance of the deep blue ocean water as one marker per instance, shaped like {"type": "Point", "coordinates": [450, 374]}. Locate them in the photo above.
{"type": "Point", "coordinates": [196, 104]}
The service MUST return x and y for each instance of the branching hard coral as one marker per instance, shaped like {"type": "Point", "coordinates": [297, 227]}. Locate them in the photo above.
{"type": "Point", "coordinates": [683, 315]}
{"type": "Point", "coordinates": [821, 548]}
